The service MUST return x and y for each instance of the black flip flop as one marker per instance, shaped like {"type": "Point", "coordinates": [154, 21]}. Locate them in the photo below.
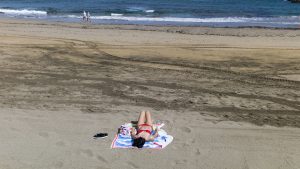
{"type": "Point", "coordinates": [100, 135]}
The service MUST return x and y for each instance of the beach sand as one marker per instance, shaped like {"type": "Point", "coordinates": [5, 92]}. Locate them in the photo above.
{"type": "Point", "coordinates": [229, 96]}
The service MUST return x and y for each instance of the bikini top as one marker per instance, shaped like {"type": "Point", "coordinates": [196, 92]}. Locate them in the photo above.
{"type": "Point", "coordinates": [140, 130]}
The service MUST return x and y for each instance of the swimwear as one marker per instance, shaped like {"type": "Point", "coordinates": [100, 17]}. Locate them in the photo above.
{"type": "Point", "coordinates": [145, 125]}
{"type": "Point", "coordinates": [140, 131]}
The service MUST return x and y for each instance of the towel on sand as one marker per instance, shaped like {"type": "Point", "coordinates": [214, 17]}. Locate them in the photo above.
{"type": "Point", "coordinates": [124, 140]}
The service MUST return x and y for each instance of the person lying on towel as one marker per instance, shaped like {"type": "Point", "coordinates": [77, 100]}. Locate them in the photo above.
{"type": "Point", "coordinates": [144, 130]}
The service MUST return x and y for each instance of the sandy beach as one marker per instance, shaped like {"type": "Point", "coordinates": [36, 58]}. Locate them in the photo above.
{"type": "Point", "coordinates": [229, 96]}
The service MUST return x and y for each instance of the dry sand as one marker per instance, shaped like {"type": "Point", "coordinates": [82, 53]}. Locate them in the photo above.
{"type": "Point", "coordinates": [229, 96]}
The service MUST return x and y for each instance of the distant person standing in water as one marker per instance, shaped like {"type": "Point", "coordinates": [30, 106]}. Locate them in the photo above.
{"type": "Point", "coordinates": [84, 17]}
{"type": "Point", "coordinates": [89, 17]}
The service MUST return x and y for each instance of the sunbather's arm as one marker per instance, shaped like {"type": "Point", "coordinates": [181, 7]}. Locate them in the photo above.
{"type": "Point", "coordinates": [152, 137]}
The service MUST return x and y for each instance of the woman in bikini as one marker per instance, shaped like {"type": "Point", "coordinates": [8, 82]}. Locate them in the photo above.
{"type": "Point", "coordinates": [144, 130]}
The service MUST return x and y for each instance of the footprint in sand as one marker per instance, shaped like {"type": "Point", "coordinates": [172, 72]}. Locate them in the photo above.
{"type": "Point", "coordinates": [101, 167]}
{"type": "Point", "coordinates": [60, 143]}
{"type": "Point", "coordinates": [14, 129]}
{"type": "Point", "coordinates": [186, 129]}
{"type": "Point", "coordinates": [59, 164]}
{"type": "Point", "coordinates": [44, 134]}
{"type": "Point", "coordinates": [102, 159]}
{"type": "Point", "coordinates": [203, 114]}
{"type": "Point", "coordinates": [178, 162]}
{"type": "Point", "coordinates": [131, 164]}
{"type": "Point", "coordinates": [87, 152]}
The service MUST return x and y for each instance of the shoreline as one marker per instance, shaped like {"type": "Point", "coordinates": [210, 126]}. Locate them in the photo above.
{"type": "Point", "coordinates": [192, 30]}
{"type": "Point", "coordinates": [276, 22]}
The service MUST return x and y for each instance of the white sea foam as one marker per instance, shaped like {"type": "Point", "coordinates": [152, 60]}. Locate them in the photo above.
{"type": "Point", "coordinates": [150, 11]}
{"type": "Point", "coordinates": [116, 14]}
{"type": "Point", "coordinates": [74, 16]}
{"type": "Point", "coordinates": [255, 20]}
{"type": "Point", "coordinates": [167, 19]}
{"type": "Point", "coordinates": [23, 12]}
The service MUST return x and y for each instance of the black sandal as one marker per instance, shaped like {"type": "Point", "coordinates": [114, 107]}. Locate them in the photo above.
{"type": "Point", "coordinates": [100, 135]}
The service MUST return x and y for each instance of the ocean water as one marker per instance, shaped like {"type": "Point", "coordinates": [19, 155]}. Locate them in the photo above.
{"type": "Point", "coordinates": [224, 13]}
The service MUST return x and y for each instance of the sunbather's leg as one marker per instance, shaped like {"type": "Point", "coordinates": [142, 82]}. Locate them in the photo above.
{"type": "Point", "coordinates": [148, 118]}
{"type": "Point", "coordinates": [142, 118]}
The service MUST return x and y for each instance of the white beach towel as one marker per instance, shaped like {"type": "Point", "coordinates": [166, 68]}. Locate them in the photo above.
{"type": "Point", "coordinates": [125, 141]}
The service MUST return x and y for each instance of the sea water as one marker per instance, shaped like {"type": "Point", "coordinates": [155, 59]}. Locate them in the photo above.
{"type": "Point", "coordinates": [224, 13]}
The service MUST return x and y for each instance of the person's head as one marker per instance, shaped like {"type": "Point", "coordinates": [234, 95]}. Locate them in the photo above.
{"type": "Point", "coordinates": [139, 142]}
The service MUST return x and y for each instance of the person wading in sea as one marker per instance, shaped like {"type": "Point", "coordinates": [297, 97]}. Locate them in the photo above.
{"type": "Point", "coordinates": [84, 17]}
{"type": "Point", "coordinates": [89, 17]}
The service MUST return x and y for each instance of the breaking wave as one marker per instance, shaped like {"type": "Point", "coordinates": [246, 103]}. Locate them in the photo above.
{"type": "Point", "coordinates": [22, 12]}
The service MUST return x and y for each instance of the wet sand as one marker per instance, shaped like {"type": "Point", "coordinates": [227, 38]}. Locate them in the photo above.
{"type": "Point", "coordinates": [229, 96]}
